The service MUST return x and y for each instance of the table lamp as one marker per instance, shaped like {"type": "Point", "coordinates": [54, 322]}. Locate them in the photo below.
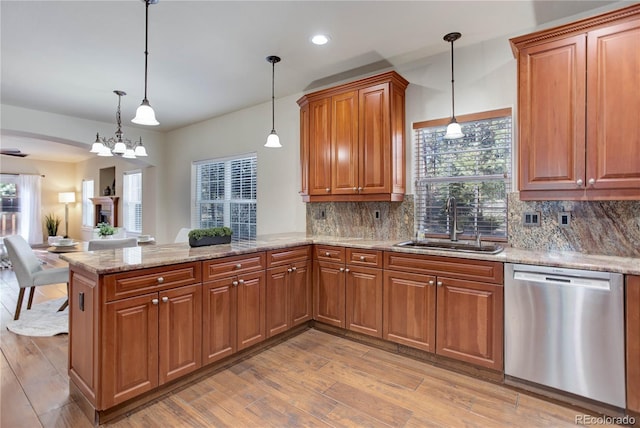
{"type": "Point", "coordinates": [66, 198]}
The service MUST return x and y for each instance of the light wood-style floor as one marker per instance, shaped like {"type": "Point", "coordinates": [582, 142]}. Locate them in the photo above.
{"type": "Point", "coordinates": [312, 380]}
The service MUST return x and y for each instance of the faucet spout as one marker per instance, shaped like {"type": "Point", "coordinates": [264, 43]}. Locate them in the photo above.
{"type": "Point", "coordinates": [452, 208]}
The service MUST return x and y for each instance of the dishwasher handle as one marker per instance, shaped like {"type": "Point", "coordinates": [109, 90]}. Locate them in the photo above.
{"type": "Point", "coordinates": [551, 279]}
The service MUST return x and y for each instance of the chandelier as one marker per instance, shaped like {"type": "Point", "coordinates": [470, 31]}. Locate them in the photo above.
{"type": "Point", "coordinates": [118, 146]}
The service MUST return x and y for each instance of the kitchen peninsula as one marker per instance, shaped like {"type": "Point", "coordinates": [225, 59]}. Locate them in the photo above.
{"type": "Point", "coordinates": [146, 320]}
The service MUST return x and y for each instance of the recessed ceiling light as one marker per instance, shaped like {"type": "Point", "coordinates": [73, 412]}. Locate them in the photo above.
{"type": "Point", "coordinates": [320, 39]}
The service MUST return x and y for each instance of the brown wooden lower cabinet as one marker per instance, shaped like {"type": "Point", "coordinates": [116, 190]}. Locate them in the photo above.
{"type": "Point", "coordinates": [329, 293]}
{"type": "Point", "coordinates": [364, 300]}
{"type": "Point", "coordinates": [409, 315]}
{"type": "Point", "coordinates": [289, 297]}
{"type": "Point", "coordinates": [633, 342]}
{"type": "Point", "coordinates": [470, 322]}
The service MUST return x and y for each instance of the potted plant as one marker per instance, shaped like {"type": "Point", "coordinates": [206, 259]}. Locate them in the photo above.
{"type": "Point", "coordinates": [52, 223]}
{"type": "Point", "coordinates": [105, 230]}
{"type": "Point", "coordinates": [210, 236]}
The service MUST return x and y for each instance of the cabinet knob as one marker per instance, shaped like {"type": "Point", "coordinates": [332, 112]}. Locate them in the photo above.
{"type": "Point", "coordinates": [165, 299]}
{"type": "Point", "coordinates": [327, 189]}
{"type": "Point", "coordinates": [355, 189]}
{"type": "Point", "coordinates": [160, 280]}
{"type": "Point", "coordinates": [238, 266]}
{"type": "Point", "coordinates": [431, 282]}
{"type": "Point", "coordinates": [439, 283]}
{"type": "Point", "coordinates": [362, 258]}
{"type": "Point", "coordinates": [154, 301]}
{"type": "Point", "coordinates": [341, 269]}
{"type": "Point", "coordinates": [234, 283]}
{"type": "Point", "coordinates": [592, 181]}
{"type": "Point", "coordinates": [347, 270]}
{"type": "Point", "coordinates": [293, 268]}
{"type": "Point", "coordinates": [241, 281]}
{"type": "Point", "coordinates": [579, 182]}
{"type": "Point", "coordinates": [289, 270]}
{"type": "Point", "coordinates": [327, 254]}
{"type": "Point", "coordinates": [359, 189]}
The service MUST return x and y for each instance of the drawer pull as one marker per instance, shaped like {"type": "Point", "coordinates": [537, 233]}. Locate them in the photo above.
{"type": "Point", "coordinates": [154, 301]}
{"type": "Point", "coordinates": [359, 189]}
{"type": "Point", "coordinates": [431, 282]}
{"type": "Point", "coordinates": [579, 182]}
{"type": "Point", "coordinates": [347, 270]}
{"type": "Point", "coordinates": [160, 280]}
{"type": "Point", "coordinates": [592, 181]}
{"type": "Point", "coordinates": [234, 283]}
{"type": "Point", "coordinates": [165, 299]}
{"type": "Point", "coordinates": [293, 268]}
{"type": "Point", "coordinates": [238, 266]}
{"type": "Point", "coordinates": [241, 281]}
{"type": "Point", "coordinates": [327, 254]}
{"type": "Point", "coordinates": [355, 189]}
{"type": "Point", "coordinates": [439, 283]}
{"type": "Point", "coordinates": [289, 270]}
{"type": "Point", "coordinates": [363, 258]}
{"type": "Point", "coordinates": [327, 190]}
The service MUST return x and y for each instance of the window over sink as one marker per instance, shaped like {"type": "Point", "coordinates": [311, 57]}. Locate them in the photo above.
{"type": "Point", "coordinates": [475, 170]}
{"type": "Point", "coordinates": [225, 194]}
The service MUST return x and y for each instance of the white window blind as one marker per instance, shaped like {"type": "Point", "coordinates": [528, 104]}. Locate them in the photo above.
{"type": "Point", "coordinates": [225, 195]}
{"type": "Point", "coordinates": [87, 204]}
{"type": "Point", "coordinates": [476, 170]}
{"type": "Point", "coordinates": [132, 201]}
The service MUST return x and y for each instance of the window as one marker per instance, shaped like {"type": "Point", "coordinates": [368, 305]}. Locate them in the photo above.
{"type": "Point", "coordinates": [87, 204]}
{"type": "Point", "coordinates": [476, 170]}
{"type": "Point", "coordinates": [132, 201]}
{"type": "Point", "coordinates": [225, 195]}
{"type": "Point", "coordinates": [10, 214]}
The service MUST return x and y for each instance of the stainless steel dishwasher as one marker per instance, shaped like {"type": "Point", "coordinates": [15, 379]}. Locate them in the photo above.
{"type": "Point", "coordinates": [564, 328]}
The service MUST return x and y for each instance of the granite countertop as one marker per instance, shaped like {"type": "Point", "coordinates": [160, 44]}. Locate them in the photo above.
{"type": "Point", "coordinates": [111, 261]}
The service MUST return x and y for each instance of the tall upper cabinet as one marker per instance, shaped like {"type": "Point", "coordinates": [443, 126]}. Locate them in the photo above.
{"type": "Point", "coordinates": [579, 108]}
{"type": "Point", "coordinates": [352, 141]}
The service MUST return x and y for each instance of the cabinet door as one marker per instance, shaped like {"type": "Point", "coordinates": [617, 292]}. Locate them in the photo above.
{"type": "Point", "coordinates": [300, 293]}
{"type": "Point", "coordinates": [344, 140]}
{"type": "Point", "coordinates": [551, 103]}
{"type": "Point", "coordinates": [251, 309]}
{"type": "Point", "coordinates": [633, 342]}
{"type": "Point", "coordinates": [364, 300]}
{"type": "Point", "coordinates": [180, 332]}
{"type": "Point", "coordinates": [613, 106]}
{"type": "Point", "coordinates": [130, 348]}
{"type": "Point", "coordinates": [374, 175]}
{"type": "Point", "coordinates": [329, 293]}
{"type": "Point", "coordinates": [320, 147]}
{"type": "Point", "coordinates": [469, 322]}
{"type": "Point", "coordinates": [409, 315]}
{"type": "Point", "coordinates": [277, 295]}
{"type": "Point", "coordinates": [219, 303]}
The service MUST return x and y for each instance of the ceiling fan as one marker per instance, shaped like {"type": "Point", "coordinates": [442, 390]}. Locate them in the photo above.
{"type": "Point", "coordinates": [13, 152]}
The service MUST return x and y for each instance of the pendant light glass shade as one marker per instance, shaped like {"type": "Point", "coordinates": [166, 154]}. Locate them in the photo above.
{"type": "Point", "coordinates": [145, 114]}
{"type": "Point", "coordinates": [273, 141]}
{"type": "Point", "coordinates": [454, 131]}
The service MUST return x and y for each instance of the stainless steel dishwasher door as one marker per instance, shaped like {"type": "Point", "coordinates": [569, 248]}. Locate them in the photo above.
{"type": "Point", "coordinates": [564, 328]}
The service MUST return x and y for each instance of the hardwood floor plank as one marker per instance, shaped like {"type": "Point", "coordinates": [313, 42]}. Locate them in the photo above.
{"type": "Point", "coordinates": [347, 417]}
{"type": "Point", "coordinates": [15, 409]}
{"type": "Point", "coordinates": [66, 416]}
{"type": "Point", "coordinates": [283, 414]}
{"type": "Point", "coordinates": [56, 350]}
{"type": "Point", "coordinates": [376, 407]}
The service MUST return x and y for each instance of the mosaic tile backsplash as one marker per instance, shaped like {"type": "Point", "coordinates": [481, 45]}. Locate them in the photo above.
{"type": "Point", "coordinates": [357, 219]}
{"type": "Point", "coordinates": [600, 227]}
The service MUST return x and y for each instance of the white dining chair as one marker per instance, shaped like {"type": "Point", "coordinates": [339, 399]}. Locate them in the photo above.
{"type": "Point", "coordinates": [183, 235]}
{"type": "Point", "coordinates": [29, 271]}
{"type": "Point", "coordinates": [109, 244]}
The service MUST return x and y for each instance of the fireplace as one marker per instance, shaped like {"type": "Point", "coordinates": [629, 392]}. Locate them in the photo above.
{"type": "Point", "coordinates": [106, 210]}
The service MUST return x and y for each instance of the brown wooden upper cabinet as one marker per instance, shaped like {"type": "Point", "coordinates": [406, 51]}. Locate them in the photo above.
{"type": "Point", "coordinates": [352, 141]}
{"type": "Point", "coordinates": [578, 109]}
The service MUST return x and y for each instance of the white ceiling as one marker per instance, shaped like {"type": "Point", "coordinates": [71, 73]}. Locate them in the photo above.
{"type": "Point", "coordinates": [207, 58]}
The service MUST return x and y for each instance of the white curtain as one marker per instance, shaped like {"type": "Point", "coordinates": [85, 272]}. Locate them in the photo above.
{"type": "Point", "coordinates": [29, 187]}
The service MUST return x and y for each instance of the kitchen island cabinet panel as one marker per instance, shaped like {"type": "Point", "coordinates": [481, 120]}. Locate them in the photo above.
{"type": "Point", "coordinates": [409, 316]}
{"type": "Point", "coordinates": [130, 348]}
{"type": "Point", "coordinates": [470, 322]}
{"type": "Point", "coordinates": [633, 342]}
{"type": "Point", "coordinates": [251, 309]}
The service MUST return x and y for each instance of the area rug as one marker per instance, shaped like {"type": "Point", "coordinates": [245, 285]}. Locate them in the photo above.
{"type": "Point", "coordinates": [42, 319]}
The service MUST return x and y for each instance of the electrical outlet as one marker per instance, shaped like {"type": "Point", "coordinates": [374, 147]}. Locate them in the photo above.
{"type": "Point", "coordinates": [321, 215]}
{"type": "Point", "coordinates": [377, 215]}
{"type": "Point", "coordinates": [564, 218]}
{"type": "Point", "coordinates": [531, 218]}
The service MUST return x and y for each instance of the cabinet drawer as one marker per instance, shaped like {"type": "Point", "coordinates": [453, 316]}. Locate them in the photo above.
{"type": "Point", "coordinates": [476, 270]}
{"type": "Point", "coordinates": [329, 253]}
{"type": "Point", "coordinates": [129, 284]}
{"type": "Point", "coordinates": [227, 266]}
{"type": "Point", "coordinates": [357, 256]}
{"type": "Point", "coordinates": [288, 255]}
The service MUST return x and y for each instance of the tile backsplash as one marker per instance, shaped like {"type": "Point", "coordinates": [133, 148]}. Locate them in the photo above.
{"type": "Point", "coordinates": [358, 219]}
{"type": "Point", "coordinates": [596, 227]}
{"type": "Point", "coordinates": [600, 227]}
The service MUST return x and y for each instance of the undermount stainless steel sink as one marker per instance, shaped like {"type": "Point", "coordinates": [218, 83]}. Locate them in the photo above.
{"type": "Point", "coordinates": [453, 246]}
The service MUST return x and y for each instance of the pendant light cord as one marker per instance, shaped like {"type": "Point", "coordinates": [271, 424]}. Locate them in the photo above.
{"type": "Point", "coordinates": [273, 97]}
{"type": "Point", "coordinates": [453, 98]}
{"type": "Point", "coordinates": [146, 46]}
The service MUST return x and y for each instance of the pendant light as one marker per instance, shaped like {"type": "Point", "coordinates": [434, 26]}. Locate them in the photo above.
{"type": "Point", "coordinates": [145, 114]}
{"type": "Point", "coordinates": [273, 140]}
{"type": "Point", "coordinates": [454, 131]}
